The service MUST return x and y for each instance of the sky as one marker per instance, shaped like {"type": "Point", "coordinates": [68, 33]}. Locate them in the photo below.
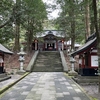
{"type": "Point", "coordinates": [54, 13]}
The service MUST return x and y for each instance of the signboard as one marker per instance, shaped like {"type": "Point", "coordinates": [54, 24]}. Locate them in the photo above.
{"type": "Point", "coordinates": [94, 61]}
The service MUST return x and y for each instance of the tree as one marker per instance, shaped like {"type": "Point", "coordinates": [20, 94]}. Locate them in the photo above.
{"type": "Point", "coordinates": [6, 29]}
{"type": "Point", "coordinates": [21, 15]}
{"type": "Point", "coordinates": [87, 18]}
{"type": "Point", "coordinates": [98, 35]}
{"type": "Point", "coordinates": [17, 23]}
{"type": "Point", "coordinates": [5, 12]}
{"type": "Point", "coordinates": [91, 19]}
{"type": "Point", "coordinates": [35, 13]}
{"type": "Point", "coordinates": [71, 20]}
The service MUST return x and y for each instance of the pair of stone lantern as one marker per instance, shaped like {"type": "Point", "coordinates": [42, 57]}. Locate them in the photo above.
{"type": "Point", "coordinates": [21, 60]}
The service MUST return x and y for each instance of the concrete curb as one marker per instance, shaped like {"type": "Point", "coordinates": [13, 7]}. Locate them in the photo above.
{"type": "Point", "coordinates": [5, 78]}
{"type": "Point", "coordinates": [91, 98]}
{"type": "Point", "coordinates": [31, 63]}
{"type": "Point", "coordinates": [63, 62]}
{"type": "Point", "coordinates": [13, 83]}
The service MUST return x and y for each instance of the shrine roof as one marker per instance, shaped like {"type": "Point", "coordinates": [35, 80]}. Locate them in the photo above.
{"type": "Point", "coordinates": [58, 33]}
{"type": "Point", "coordinates": [87, 46]}
{"type": "Point", "coordinates": [4, 50]}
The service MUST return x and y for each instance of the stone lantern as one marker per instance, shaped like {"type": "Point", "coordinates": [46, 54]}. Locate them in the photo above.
{"type": "Point", "coordinates": [21, 59]}
{"type": "Point", "coordinates": [72, 72]}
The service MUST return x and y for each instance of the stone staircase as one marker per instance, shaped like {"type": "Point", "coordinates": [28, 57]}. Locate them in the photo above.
{"type": "Point", "coordinates": [48, 61]}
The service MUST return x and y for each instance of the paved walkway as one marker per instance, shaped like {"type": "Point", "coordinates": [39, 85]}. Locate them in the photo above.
{"type": "Point", "coordinates": [45, 86]}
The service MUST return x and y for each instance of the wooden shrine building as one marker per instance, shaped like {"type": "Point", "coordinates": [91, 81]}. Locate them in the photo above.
{"type": "Point", "coordinates": [88, 59]}
{"type": "Point", "coordinates": [3, 51]}
{"type": "Point", "coordinates": [51, 41]}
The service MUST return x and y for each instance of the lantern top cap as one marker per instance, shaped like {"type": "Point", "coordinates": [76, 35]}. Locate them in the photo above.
{"type": "Point", "coordinates": [21, 49]}
{"type": "Point", "coordinates": [21, 52]}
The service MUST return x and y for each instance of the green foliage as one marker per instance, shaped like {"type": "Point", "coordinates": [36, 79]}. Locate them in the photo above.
{"type": "Point", "coordinates": [72, 11]}
{"type": "Point", "coordinates": [29, 14]}
{"type": "Point", "coordinates": [5, 10]}
{"type": "Point", "coordinates": [6, 33]}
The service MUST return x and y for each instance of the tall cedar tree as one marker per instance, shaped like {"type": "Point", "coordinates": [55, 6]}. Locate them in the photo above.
{"type": "Point", "coordinates": [98, 36]}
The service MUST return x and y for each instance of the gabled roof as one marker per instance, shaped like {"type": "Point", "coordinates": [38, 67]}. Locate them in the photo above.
{"type": "Point", "coordinates": [85, 47]}
{"type": "Point", "coordinates": [4, 50]}
{"type": "Point", "coordinates": [58, 33]}
{"type": "Point", "coordinates": [50, 37]}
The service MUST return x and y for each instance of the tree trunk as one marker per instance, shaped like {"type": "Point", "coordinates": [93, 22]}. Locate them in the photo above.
{"type": "Point", "coordinates": [17, 26]}
{"type": "Point", "coordinates": [99, 19]}
{"type": "Point", "coordinates": [29, 35]}
{"type": "Point", "coordinates": [72, 35]}
{"type": "Point", "coordinates": [72, 16]}
{"type": "Point", "coordinates": [92, 25]}
{"type": "Point", "coordinates": [29, 41]}
{"type": "Point", "coordinates": [17, 35]}
{"type": "Point", "coordinates": [98, 38]}
{"type": "Point", "coordinates": [87, 19]}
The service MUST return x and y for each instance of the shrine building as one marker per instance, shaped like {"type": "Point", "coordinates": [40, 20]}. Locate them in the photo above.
{"type": "Point", "coordinates": [88, 58]}
{"type": "Point", "coordinates": [49, 41]}
{"type": "Point", "coordinates": [3, 51]}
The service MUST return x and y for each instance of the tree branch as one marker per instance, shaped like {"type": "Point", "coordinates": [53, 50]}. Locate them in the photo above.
{"type": "Point", "coordinates": [4, 24]}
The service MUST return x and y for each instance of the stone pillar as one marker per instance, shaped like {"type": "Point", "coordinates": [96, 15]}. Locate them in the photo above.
{"type": "Point", "coordinates": [55, 45]}
{"type": "Point", "coordinates": [46, 45]}
{"type": "Point", "coordinates": [35, 45]}
{"type": "Point", "coordinates": [1, 65]}
{"type": "Point", "coordinates": [62, 45]}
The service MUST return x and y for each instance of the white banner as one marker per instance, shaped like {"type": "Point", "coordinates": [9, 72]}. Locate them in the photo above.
{"type": "Point", "coordinates": [94, 61]}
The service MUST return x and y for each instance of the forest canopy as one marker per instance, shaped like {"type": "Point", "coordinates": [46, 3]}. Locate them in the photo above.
{"type": "Point", "coordinates": [22, 20]}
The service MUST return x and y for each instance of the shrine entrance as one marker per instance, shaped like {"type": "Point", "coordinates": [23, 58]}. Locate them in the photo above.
{"type": "Point", "coordinates": [49, 42]}
{"type": "Point", "coordinates": [50, 46]}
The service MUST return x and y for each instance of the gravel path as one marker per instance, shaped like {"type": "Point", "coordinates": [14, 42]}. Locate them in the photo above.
{"type": "Point", "coordinates": [92, 90]}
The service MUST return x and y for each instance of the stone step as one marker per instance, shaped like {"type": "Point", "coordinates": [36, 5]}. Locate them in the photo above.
{"type": "Point", "coordinates": [86, 79]}
{"type": "Point", "coordinates": [4, 76]}
{"type": "Point", "coordinates": [47, 70]}
{"type": "Point", "coordinates": [48, 61]}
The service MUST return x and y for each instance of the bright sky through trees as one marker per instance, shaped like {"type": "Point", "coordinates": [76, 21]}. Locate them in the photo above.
{"type": "Point", "coordinates": [54, 13]}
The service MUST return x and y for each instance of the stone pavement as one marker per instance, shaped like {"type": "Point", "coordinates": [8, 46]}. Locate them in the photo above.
{"type": "Point", "coordinates": [45, 86]}
{"type": "Point", "coordinates": [9, 81]}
